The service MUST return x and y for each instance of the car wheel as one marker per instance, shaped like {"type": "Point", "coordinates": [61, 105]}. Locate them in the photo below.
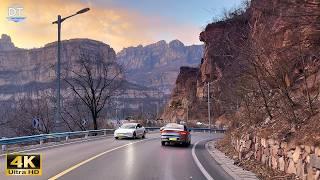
{"type": "Point", "coordinates": [134, 136]}
{"type": "Point", "coordinates": [116, 137]}
{"type": "Point", "coordinates": [163, 143]}
{"type": "Point", "coordinates": [144, 135]}
{"type": "Point", "coordinates": [186, 144]}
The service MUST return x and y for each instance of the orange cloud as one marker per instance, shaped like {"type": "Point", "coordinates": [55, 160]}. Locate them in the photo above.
{"type": "Point", "coordinates": [117, 27]}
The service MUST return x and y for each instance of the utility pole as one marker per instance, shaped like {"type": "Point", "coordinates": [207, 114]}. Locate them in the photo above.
{"type": "Point", "coordinates": [209, 114]}
{"type": "Point", "coordinates": [157, 109]}
{"type": "Point", "coordinates": [187, 111]}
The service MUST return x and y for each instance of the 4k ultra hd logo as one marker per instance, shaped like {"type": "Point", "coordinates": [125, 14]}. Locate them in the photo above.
{"type": "Point", "coordinates": [23, 165]}
{"type": "Point", "coordinates": [15, 14]}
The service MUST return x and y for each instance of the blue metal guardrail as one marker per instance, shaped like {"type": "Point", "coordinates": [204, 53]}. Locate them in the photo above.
{"type": "Point", "coordinates": [193, 129]}
{"type": "Point", "coordinates": [41, 137]}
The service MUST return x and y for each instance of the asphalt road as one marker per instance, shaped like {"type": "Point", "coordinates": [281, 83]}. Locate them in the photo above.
{"type": "Point", "coordinates": [141, 159]}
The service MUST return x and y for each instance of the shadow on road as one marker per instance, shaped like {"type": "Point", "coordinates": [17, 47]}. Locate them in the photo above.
{"type": "Point", "coordinates": [169, 145]}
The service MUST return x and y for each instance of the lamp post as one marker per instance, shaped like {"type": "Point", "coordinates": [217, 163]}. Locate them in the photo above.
{"type": "Point", "coordinates": [59, 22]}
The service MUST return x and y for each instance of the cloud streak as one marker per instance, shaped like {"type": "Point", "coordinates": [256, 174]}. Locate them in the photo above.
{"type": "Point", "coordinates": [115, 26]}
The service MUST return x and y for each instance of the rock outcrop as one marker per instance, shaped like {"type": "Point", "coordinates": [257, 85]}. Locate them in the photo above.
{"type": "Point", "coordinates": [262, 63]}
{"type": "Point", "coordinates": [6, 44]}
{"type": "Point", "coordinates": [184, 98]}
{"type": "Point", "coordinates": [157, 65]}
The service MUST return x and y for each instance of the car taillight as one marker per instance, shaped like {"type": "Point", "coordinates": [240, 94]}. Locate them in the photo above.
{"type": "Point", "coordinates": [183, 132]}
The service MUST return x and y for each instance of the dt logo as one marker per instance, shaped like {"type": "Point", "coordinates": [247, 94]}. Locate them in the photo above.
{"type": "Point", "coordinates": [23, 165]}
{"type": "Point", "coordinates": [15, 14]}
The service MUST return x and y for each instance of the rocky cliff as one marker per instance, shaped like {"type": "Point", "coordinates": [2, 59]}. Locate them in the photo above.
{"type": "Point", "coordinates": [6, 44]}
{"type": "Point", "coordinates": [27, 72]}
{"type": "Point", "coordinates": [262, 63]}
{"type": "Point", "coordinates": [157, 65]}
{"type": "Point", "coordinates": [184, 104]}
{"type": "Point", "coordinates": [24, 70]}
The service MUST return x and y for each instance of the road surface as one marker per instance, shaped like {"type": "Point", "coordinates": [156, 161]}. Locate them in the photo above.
{"type": "Point", "coordinates": [141, 159]}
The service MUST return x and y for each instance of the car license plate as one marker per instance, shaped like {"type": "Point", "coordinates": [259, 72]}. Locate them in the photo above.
{"type": "Point", "coordinates": [172, 139]}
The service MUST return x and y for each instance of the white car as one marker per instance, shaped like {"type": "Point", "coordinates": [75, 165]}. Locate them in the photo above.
{"type": "Point", "coordinates": [199, 123]}
{"type": "Point", "coordinates": [130, 130]}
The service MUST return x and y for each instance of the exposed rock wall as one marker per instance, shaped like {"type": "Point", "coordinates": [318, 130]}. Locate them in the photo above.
{"type": "Point", "coordinates": [157, 65]}
{"type": "Point", "coordinates": [263, 67]}
{"type": "Point", "coordinates": [6, 44]}
{"type": "Point", "coordinates": [302, 160]}
{"type": "Point", "coordinates": [282, 37]}
{"type": "Point", "coordinates": [27, 71]}
{"type": "Point", "coordinates": [181, 105]}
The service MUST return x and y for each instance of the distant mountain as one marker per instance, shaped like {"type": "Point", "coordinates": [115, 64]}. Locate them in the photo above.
{"type": "Point", "coordinates": [157, 65]}
{"type": "Point", "coordinates": [30, 73]}
{"type": "Point", "coordinates": [6, 44]}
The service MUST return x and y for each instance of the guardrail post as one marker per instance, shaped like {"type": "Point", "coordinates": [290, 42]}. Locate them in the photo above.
{"type": "Point", "coordinates": [67, 137]}
{"type": "Point", "coordinates": [86, 135]}
{"type": "Point", "coordinates": [105, 132]}
{"type": "Point", "coordinates": [3, 147]}
{"type": "Point", "coordinates": [41, 141]}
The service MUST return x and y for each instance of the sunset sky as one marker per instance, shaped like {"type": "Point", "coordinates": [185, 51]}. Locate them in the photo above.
{"type": "Point", "coordinates": [119, 23]}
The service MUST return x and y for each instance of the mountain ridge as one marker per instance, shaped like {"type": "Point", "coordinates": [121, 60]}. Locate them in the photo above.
{"type": "Point", "coordinates": [157, 64]}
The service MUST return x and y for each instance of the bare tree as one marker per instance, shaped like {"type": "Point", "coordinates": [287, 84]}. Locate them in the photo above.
{"type": "Point", "coordinates": [27, 108]}
{"type": "Point", "coordinates": [94, 81]}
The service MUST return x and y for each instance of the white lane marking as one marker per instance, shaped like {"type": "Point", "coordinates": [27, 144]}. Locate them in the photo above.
{"type": "Point", "coordinates": [56, 145]}
{"type": "Point", "coordinates": [196, 160]}
{"type": "Point", "coordinates": [92, 158]}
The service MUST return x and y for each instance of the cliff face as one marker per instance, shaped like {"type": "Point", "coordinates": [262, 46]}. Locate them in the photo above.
{"type": "Point", "coordinates": [28, 72]}
{"type": "Point", "coordinates": [31, 70]}
{"type": "Point", "coordinates": [157, 65]}
{"type": "Point", "coordinates": [184, 103]}
{"type": "Point", "coordinates": [6, 43]}
{"type": "Point", "coordinates": [263, 67]}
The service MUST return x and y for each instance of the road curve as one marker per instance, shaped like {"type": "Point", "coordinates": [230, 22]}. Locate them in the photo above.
{"type": "Point", "coordinates": [145, 159]}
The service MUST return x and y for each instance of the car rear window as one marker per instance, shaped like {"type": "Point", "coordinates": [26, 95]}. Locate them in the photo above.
{"type": "Point", "coordinates": [175, 126]}
{"type": "Point", "coordinates": [128, 126]}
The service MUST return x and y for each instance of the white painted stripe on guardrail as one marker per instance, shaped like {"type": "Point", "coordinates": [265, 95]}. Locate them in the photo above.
{"type": "Point", "coordinates": [196, 160]}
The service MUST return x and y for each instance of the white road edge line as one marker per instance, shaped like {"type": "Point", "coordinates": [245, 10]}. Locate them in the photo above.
{"type": "Point", "coordinates": [92, 158]}
{"type": "Point", "coordinates": [196, 160]}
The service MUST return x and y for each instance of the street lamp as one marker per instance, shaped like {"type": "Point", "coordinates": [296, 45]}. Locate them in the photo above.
{"type": "Point", "coordinates": [59, 22]}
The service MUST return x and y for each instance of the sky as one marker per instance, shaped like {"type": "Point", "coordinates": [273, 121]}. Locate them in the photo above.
{"type": "Point", "coordinates": [119, 23]}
